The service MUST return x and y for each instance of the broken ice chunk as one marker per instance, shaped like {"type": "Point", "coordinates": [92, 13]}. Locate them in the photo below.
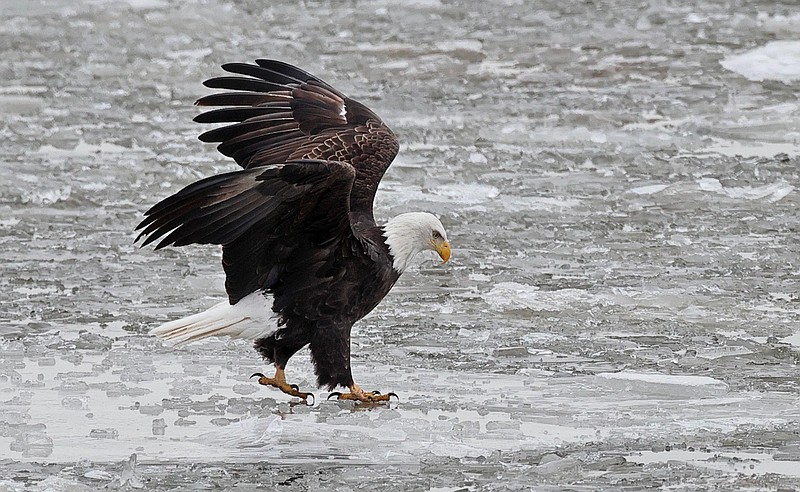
{"type": "Point", "coordinates": [675, 386]}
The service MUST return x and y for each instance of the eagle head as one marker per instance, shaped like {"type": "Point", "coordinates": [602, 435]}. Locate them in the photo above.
{"type": "Point", "coordinates": [411, 233]}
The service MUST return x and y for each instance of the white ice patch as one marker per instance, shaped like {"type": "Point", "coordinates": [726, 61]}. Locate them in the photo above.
{"type": "Point", "coordinates": [543, 203]}
{"type": "Point", "coordinates": [733, 148]}
{"type": "Point", "coordinates": [512, 295]}
{"type": "Point", "coordinates": [465, 193]}
{"type": "Point", "coordinates": [47, 197]}
{"type": "Point", "coordinates": [793, 340]}
{"type": "Point", "coordinates": [648, 190]}
{"type": "Point", "coordinates": [743, 463]}
{"type": "Point", "coordinates": [194, 54]}
{"type": "Point", "coordinates": [772, 192]}
{"type": "Point", "coordinates": [777, 60]}
{"type": "Point", "coordinates": [83, 149]}
{"type": "Point", "coordinates": [9, 222]}
{"type": "Point", "coordinates": [780, 24]}
{"type": "Point", "coordinates": [478, 158]}
{"type": "Point", "coordinates": [147, 4]}
{"type": "Point", "coordinates": [477, 194]}
{"type": "Point", "coordinates": [722, 351]}
{"type": "Point", "coordinates": [460, 45]}
{"type": "Point", "coordinates": [676, 386]}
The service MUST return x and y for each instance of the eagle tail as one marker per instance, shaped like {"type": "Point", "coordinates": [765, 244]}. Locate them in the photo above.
{"type": "Point", "coordinates": [251, 318]}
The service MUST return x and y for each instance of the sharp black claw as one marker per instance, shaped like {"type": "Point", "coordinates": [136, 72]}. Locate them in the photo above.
{"type": "Point", "coordinates": [313, 399]}
{"type": "Point", "coordinates": [376, 392]}
{"type": "Point", "coordinates": [395, 395]}
{"type": "Point", "coordinates": [294, 387]}
{"type": "Point", "coordinates": [257, 374]}
{"type": "Point", "coordinates": [335, 393]}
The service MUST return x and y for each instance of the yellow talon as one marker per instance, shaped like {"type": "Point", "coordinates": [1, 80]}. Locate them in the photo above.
{"type": "Point", "coordinates": [358, 394]}
{"type": "Point", "coordinates": [279, 381]}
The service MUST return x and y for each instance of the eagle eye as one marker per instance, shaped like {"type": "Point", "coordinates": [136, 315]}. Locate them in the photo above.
{"type": "Point", "coordinates": [437, 235]}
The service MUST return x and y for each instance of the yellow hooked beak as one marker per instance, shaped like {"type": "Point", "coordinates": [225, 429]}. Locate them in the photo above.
{"type": "Point", "coordinates": [444, 251]}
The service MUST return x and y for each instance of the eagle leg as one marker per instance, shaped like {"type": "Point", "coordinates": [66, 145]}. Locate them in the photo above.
{"type": "Point", "coordinates": [279, 381]}
{"type": "Point", "coordinates": [358, 394]}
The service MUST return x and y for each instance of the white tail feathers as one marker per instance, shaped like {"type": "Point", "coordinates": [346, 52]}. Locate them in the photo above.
{"type": "Point", "coordinates": [250, 318]}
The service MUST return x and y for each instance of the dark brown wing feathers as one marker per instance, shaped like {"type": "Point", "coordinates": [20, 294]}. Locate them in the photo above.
{"type": "Point", "coordinates": [279, 112]}
{"type": "Point", "coordinates": [219, 209]}
{"type": "Point", "coordinates": [311, 156]}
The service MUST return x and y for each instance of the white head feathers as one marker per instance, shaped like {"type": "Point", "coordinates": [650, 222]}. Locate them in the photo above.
{"type": "Point", "coordinates": [411, 233]}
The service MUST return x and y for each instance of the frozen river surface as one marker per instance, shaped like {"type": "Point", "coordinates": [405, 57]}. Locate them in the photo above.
{"type": "Point", "coordinates": [619, 180]}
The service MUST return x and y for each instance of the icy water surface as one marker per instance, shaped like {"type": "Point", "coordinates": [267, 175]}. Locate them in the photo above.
{"type": "Point", "coordinates": [619, 180]}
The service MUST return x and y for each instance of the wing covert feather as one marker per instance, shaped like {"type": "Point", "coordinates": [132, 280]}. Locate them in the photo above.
{"type": "Point", "coordinates": [277, 112]}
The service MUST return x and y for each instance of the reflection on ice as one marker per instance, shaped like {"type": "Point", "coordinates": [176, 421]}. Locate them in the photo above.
{"type": "Point", "coordinates": [443, 413]}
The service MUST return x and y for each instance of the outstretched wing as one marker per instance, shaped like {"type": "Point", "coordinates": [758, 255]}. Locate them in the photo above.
{"type": "Point", "coordinates": [281, 113]}
{"type": "Point", "coordinates": [266, 219]}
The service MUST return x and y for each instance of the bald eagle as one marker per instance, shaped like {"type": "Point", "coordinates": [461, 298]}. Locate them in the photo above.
{"type": "Point", "coordinates": [303, 256]}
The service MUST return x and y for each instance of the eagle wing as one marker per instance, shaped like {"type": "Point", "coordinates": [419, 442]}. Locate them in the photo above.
{"type": "Point", "coordinates": [281, 113]}
{"type": "Point", "coordinates": [270, 220]}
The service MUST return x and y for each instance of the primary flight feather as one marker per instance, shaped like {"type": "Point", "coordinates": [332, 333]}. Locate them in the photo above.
{"type": "Point", "coordinates": [303, 256]}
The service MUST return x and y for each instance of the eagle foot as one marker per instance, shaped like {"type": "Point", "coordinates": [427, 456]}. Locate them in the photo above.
{"type": "Point", "coordinates": [279, 382]}
{"type": "Point", "coordinates": [359, 395]}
